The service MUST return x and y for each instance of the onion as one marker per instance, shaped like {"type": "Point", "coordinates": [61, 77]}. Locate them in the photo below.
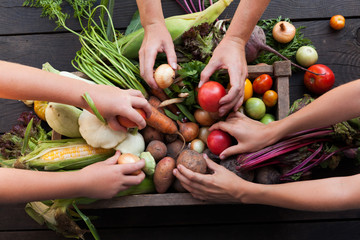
{"type": "Point", "coordinates": [203, 117]}
{"type": "Point", "coordinates": [129, 158]}
{"type": "Point", "coordinates": [203, 134]}
{"type": "Point", "coordinates": [197, 145]}
{"type": "Point", "coordinates": [188, 130]}
{"type": "Point", "coordinates": [164, 76]}
{"type": "Point", "coordinates": [283, 32]}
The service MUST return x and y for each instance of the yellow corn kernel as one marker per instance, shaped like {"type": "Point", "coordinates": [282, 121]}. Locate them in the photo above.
{"type": "Point", "coordinates": [72, 152]}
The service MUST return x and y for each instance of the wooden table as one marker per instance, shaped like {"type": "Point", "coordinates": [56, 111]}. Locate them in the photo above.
{"type": "Point", "coordinates": [28, 39]}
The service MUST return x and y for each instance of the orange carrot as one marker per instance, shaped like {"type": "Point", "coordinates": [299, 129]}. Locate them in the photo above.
{"type": "Point", "coordinates": [161, 95]}
{"type": "Point", "coordinates": [161, 122]}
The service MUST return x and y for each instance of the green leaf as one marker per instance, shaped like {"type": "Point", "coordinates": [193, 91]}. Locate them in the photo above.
{"type": "Point", "coordinates": [88, 222]}
{"type": "Point", "coordinates": [135, 23]}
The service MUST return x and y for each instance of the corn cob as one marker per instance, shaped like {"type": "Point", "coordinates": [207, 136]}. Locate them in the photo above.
{"type": "Point", "coordinates": [67, 154]}
{"type": "Point", "coordinates": [176, 26]}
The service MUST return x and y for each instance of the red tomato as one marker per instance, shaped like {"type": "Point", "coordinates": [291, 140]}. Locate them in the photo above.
{"type": "Point", "coordinates": [209, 96]}
{"type": "Point", "coordinates": [218, 141]}
{"type": "Point", "coordinates": [262, 83]}
{"type": "Point", "coordinates": [128, 123]}
{"type": "Point", "coordinates": [319, 84]}
{"type": "Point", "coordinates": [337, 22]}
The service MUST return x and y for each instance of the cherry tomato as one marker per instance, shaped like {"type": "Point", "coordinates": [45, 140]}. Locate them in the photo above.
{"type": "Point", "coordinates": [262, 83]}
{"type": "Point", "coordinates": [319, 84]}
{"type": "Point", "coordinates": [125, 122]}
{"type": "Point", "coordinates": [248, 90]}
{"type": "Point", "coordinates": [218, 141]}
{"type": "Point", "coordinates": [270, 98]}
{"type": "Point", "coordinates": [337, 22]}
{"type": "Point", "coordinates": [209, 96]}
{"type": "Point", "coordinates": [255, 108]}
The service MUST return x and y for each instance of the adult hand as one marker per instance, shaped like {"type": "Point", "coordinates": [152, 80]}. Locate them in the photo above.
{"type": "Point", "coordinates": [221, 185]}
{"type": "Point", "coordinates": [251, 135]}
{"type": "Point", "coordinates": [230, 55]}
{"type": "Point", "coordinates": [157, 39]}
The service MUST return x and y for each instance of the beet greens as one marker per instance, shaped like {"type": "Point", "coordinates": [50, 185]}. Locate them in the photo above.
{"type": "Point", "coordinates": [298, 153]}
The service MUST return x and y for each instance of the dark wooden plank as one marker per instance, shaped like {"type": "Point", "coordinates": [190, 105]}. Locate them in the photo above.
{"type": "Point", "coordinates": [338, 230]}
{"type": "Point", "coordinates": [34, 50]}
{"type": "Point", "coordinates": [339, 50]}
{"type": "Point", "coordinates": [288, 231]}
{"type": "Point", "coordinates": [13, 218]}
{"type": "Point", "coordinates": [16, 19]}
{"type": "Point", "coordinates": [31, 235]}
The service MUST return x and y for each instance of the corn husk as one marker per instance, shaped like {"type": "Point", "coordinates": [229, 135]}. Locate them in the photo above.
{"type": "Point", "coordinates": [176, 26]}
{"type": "Point", "coordinates": [36, 159]}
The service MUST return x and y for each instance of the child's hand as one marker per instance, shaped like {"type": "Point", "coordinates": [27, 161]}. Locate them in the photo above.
{"type": "Point", "coordinates": [105, 179]}
{"type": "Point", "coordinates": [113, 101]}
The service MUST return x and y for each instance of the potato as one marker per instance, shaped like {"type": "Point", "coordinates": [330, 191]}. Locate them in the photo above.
{"type": "Point", "coordinates": [151, 134]}
{"type": "Point", "coordinates": [174, 148]}
{"type": "Point", "coordinates": [157, 149]}
{"type": "Point", "coordinates": [192, 160]}
{"type": "Point", "coordinates": [178, 187]}
{"type": "Point", "coordinates": [163, 176]}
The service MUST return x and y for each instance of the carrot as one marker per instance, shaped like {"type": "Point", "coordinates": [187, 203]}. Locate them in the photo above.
{"type": "Point", "coordinates": [161, 95]}
{"type": "Point", "coordinates": [154, 101]}
{"type": "Point", "coordinates": [161, 122]}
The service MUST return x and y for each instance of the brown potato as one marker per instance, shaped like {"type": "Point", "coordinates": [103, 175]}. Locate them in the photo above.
{"type": "Point", "coordinates": [192, 160]}
{"type": "Point", "coordinates": [157, 149]}
{"type": "Point", "coordinates": [150, 134]}
{"type": "Point", "coordinates": [178, 187]}
{"type": "Point", "coordinates": [163, 176]}
{"type": "Point", "coordinates": [174, 148]}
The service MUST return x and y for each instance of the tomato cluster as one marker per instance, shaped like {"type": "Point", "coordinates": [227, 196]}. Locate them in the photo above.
{"type": "Point", "coordinates": [260, 98]}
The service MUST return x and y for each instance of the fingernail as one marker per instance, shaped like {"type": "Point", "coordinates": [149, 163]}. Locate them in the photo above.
{"type": "Point", "coordinates": [174, 171]}
{"type": "Point", "coordinates": [174, 65]}
{"type": "Point", "coordinates": [222, 156]}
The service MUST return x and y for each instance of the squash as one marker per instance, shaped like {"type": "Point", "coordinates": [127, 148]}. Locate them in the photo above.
{"type": "Point", "coordinates": [98, 134]}
{"type": "Point", "coordinates": [134, 143]}
{"type": "Point", "coordinates": [63, 118]}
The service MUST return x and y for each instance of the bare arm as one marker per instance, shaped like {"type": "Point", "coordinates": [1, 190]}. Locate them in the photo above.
{"type": "Point", "coordinates": [328, 194]}
{"type": "Point", "coordinates": [28, 83]}
{"type": "Point", "coordinates": [338, 104]}
{"type": "Point", "coordinates": [100, 180]}
{"type": "Point", "coordinates": [156, 39]}
{"type": "Point", "coordinates": [230, 53]}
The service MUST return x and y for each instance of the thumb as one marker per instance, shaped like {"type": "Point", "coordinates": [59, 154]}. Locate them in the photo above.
{"type": "Point", "coordinates": [115, 125]}
{"type": "Point", "coordinates": [210, 163]}
{"type": "Point", "coordinates": [113, 160]}
{"type": "Point", "coordinates": [206, 73]}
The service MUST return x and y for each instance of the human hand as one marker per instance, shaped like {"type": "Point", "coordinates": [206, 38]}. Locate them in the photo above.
{"type": "Point", "coordinates": [105, 179]}
{"type": "Point", "coordinates": [156, 39]}
{"type": "Point", "coordinates": [112, 102]}
{"type": "Point", "coordinates": [230, 55]}
{"type": "Point", "coordinates": [251, 135]}
{"type": "Point", "coordinates": [221, 185]}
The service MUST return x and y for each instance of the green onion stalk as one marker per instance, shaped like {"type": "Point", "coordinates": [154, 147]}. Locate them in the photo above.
{"type": "Point", "coordinates": [99, 58]}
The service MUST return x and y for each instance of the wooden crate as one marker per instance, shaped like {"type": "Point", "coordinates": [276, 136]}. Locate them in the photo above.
{"type": "Point", "coordinates": [281, 72]}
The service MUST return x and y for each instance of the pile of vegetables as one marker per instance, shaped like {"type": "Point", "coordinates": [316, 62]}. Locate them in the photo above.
{"type": "Point", "coordinates": [177, 131]}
